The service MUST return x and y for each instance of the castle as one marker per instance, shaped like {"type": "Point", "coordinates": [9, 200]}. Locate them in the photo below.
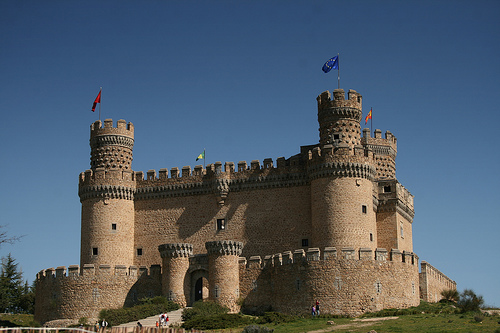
{"type": "Point", "coordinates": [331, 223]}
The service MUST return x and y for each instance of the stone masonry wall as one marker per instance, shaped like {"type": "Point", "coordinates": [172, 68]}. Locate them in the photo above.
{"type": "Point", "coordinates": [73, 294]}
{"type": "Point", "coordinates": [342, 286]}
{"type": "Point", "coordinates": [265, 220]}
{"type": "Point", "coordinates": [432, 282]}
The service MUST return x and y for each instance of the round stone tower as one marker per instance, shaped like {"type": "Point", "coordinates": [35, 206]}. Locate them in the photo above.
{"type": "Point", "coordinates": [107, 195]}
{"type": "Point", "coordinates": [224, 274]}
{"type": "Point", "coordinates": [342, 174]}
{"type": "Point", "coordinates": [175, 263]}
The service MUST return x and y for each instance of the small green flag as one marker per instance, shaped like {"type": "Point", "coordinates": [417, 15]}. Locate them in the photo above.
{"type": "Point", "coordinates": [201, 156]}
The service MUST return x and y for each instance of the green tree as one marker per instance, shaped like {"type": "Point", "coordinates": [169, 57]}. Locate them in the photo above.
{"type": "Point", "coordinates": [469, 301]}
{"type": "Point", "coordinates": [15, 294]}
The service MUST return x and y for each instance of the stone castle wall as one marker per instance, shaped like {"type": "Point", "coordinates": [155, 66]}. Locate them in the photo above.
{"type": "Point", "coordinates": [347, 282]}
{"type": "Point", "coordinates": [432, 282]}
{"type": "Point", "coordinates": [77, 292]}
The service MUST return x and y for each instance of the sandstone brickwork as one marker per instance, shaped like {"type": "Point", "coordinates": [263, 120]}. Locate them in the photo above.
{"type": "Point", "coordinates": [226, 232]}
{"type": "Point", "coordinates": [432, 282]}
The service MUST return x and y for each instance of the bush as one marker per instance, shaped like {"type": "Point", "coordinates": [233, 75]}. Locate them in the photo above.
{"type": "Point", "coordinates": [147, 308]}
{"type": "Point", "coordinates": [478, 319]}
{"type": "Point", "coordinates": [276, 318]}
{"type": "Point", "coordinates": [450, 295]}
{"type": "Point", "coordinates": [215, 322]}
{"type": "Point", "coordinates": [203, 309]}
{"type": "Point", "coordinates": [469, 301]}
{"type": "Point", "coordinates": [257, 329]}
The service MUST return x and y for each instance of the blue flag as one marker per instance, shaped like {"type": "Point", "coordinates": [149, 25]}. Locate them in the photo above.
{"type": "Point", "coordinates": [332, 63]}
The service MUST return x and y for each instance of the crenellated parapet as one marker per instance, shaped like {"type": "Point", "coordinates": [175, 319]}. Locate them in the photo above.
{"type": "Point", "coordinates": [109, 184]}
{"type": "Point", "coordinates": [176, 250]}
{"type": "Point", "coordinates": [98, 271]}
{"type": "Point", "coordinates": [224, 247]}
{"type": "Point", "coordinates": [302, 257]}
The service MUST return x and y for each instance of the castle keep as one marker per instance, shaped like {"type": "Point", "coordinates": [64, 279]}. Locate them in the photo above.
{"type": "Point", "coordinates": [331, 223]}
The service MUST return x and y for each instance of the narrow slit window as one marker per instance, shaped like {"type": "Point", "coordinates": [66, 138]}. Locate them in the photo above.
{"type": "Point", "coordinates": [95, 251]}
{"type": "Point", "coordinates": [363, 209]}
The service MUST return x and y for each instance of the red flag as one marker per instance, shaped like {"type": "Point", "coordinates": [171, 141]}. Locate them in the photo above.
{"type": "Point", "coordinates": [97, 100]}
{"type": "Point", "coordinates": [369, 116]}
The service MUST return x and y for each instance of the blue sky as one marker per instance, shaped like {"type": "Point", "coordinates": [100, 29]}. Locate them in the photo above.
{"type": "Point", "coordinates": [240, 78]}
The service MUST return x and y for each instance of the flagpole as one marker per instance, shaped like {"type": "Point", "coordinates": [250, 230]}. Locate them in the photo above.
{"type": "Point", "coordinates": [204, 158]}
{"type": "Point", "coordinates": [371, 120]}
{"type": "Point", "coordinates": [100, 102]}
{"type": "Point", "coordinates": [338, 70]}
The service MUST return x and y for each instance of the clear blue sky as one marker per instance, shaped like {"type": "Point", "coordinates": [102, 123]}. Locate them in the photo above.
{"type": "Point", "coordinates": [240, 78]}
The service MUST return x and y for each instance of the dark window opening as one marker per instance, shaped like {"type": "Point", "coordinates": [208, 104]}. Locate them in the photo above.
{"type": "Point", "coordinates": [305, 242]}
{"type": "Point", "coordinates": [113, 226]}
{"type": "Point", "coordinates": [95, 251]}
{"type": "Point", "coordinates": [221, 224]}
{"type": "Point", "coordinates": [387, 189]}
{"type": "Point", "coordinates": [371, 237]}
{"type": "Point", "coordinates": [139, 252]}
{"type": "Point", "coordinates": [363, 209]}
{"type": "Point", "coordinates": [336, 137]}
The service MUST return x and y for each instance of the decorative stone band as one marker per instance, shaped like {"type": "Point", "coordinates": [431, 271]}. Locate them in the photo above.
{"type": "Point", "coordinates": [382, 150]}
{"type": "Point", "coordinates": [341, 169]}
{"type": "Point", "coordinates": [106, 191]}
{"type": "Point", "coordinates": [113, 139]}
{"type": "Point", "coordinates": [175, 250]}
{"type": "Point", "coordinates": [331, 113]}
{"type": "Point", "coordinates": [225, 247]}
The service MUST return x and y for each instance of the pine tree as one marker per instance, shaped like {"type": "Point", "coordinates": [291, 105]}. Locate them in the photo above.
{"type": "Point", "coordinates": [12, 286]}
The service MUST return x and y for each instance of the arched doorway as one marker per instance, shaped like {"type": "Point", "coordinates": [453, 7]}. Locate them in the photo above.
{"type": "Point", "coordinates": [199, 285]}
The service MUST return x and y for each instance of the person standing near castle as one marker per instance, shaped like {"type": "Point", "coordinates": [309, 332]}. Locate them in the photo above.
{"type": "Point", "coordinates": [317, 308]}
{"type": "Point", "coordinates": [104, 324]}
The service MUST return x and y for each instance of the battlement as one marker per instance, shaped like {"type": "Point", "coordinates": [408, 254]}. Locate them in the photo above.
{"type": "Point", "coordinates": [122, 128]}
{"type": "Point", "coordinates": [302, 256]}
{"type": "Point", "coordinates": [380, 146]}
{"type": "Point", "coordinates": [104, 271]}
{"type": "Point", "coordinates": [354, 99]}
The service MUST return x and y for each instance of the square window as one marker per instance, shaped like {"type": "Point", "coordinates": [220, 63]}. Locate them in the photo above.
{"type": "Point", "coordinates": [363, 209]}
{"type": "Point", "coordinates": [387, 189]}
{"type": "Point", "coordinates": [113, 226]}
{"type": "Point", "coordinates": [305, 242]}
{"type": "Point", "coordinates": [139, 252]}
{"type": "Point", "coordinates": [95, 251]}
{"type": "Point", "coordinates": [336, 137]}
{"type": "Point", "coordinates": [221, 224]}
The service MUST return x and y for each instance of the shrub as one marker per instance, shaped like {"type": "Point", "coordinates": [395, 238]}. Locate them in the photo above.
{"type": "Point", "coordinates": [469, 301]}
{"type": "Point", "coordinates": [276, 318]}
{"type": "Point", "coordinates": [146, 309]}
{"type": "Point", "coordinates": [450, 295]}
{"type": "Point", "coordinates": [478, 318]}
{"type": "Point", "coordinates": [203, 309]}
{"type": "Point", "coordinates": [257, 329]}
{"type": "Point", "coordinates": [215, 322]}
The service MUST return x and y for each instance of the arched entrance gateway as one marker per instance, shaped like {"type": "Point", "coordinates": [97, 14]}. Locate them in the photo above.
{"type": "Point", "coordinates": [199, 285]}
